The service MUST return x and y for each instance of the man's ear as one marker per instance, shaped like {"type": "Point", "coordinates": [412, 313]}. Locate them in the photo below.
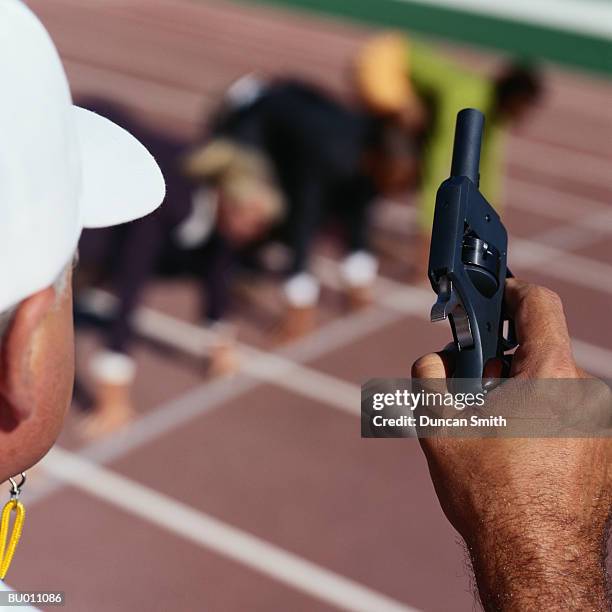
{"type": "Point", "coordinates": [18, 350]}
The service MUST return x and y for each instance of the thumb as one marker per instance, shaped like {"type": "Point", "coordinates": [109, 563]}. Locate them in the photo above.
{"type": "Point", "coordinates": [433, 365]}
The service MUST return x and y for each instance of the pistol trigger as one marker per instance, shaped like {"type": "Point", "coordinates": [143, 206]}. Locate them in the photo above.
{"type": "Point", "coordinates": [449, 306]}
{"type": "Point", "coordinates": [446, 302]}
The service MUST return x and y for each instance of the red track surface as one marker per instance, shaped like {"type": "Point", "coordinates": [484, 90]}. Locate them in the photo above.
{"type": "Point", "coordinates": [283, 461]}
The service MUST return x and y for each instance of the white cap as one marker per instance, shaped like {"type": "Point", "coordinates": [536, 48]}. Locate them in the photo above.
{"type": "Point", "coordinates": [62, 168]}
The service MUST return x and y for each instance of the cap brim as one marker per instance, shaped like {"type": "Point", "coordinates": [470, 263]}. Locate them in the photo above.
{"type": "Point", "coordinates": [121, 180]}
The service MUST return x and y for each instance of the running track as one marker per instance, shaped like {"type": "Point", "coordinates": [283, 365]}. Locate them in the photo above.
{"type": "Point", "coordinates": [256, 493]}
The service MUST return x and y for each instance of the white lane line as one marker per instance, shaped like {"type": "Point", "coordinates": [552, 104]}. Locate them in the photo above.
{"type": "Point", "coordinates": [583, 16]}
{"type": "Point", "coordinates": [551, 247]}
{"type": "Point", "coordinates": [163, 420]}
{"type": "Point", "coordinates": [390, 294]}
{"type": "Point", "coordinates": [131, 89]}
{"type": "Point", "coordinates": [562, 237]}
{"type": "Point", "coordinates": [216, 535]}
{"type": "Point", "coordinates": [211, 394]}
{"type": "Point", "coordinates": [310, 383]}
{"type": "Point", "coordinates": [564, 266]}
{"type": "Point", "coordinates": [556, 161]}
{"type": "Point", "coordinates": [577, 98]}
{"type": "Point", "coordinates": [586, 213]}
{"type": "Point", "coordinates": [339, 333]}
{"type": "Point", "coordinates": [587, 132]}
{"type": "Point", "coordinates": [411, 300]}
{"type": "Point", "coordinates": [560, 162]}
{"type": "Point", "coordinates": [552, 160]}
{"type": "Point", "coordinates": [302, 380]}
{"type": "Point", "coordinates": [208, 396]}
{"type": "Point", "coordinates": [580, 210]}
{"type": "Point", "coordinates": [265, 367]}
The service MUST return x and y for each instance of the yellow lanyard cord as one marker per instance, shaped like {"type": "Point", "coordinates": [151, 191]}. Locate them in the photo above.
{"type": "Point", "coordinates": [6, 553]}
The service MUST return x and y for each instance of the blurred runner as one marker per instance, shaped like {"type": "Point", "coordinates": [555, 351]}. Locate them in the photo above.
{"type": "Point", "coordinates": [406, 79]}
{"type": "Point", "coordinates": [330, 163]}
{"type": "Point", "coordinates": [181, 238]}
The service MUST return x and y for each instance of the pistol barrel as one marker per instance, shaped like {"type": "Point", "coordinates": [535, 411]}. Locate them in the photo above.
{"type": "Point", "coordinates": [468, 140]}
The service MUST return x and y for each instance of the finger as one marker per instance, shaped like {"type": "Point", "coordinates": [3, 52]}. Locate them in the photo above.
{"type": "Point", "coordinates": [429, 374]}
{"type": "Point", "coordinates": [540, 323]}
{"type": "Point", "coordinates": [433, 365]}
{"type": "Point", "coordinates": [537, 313]}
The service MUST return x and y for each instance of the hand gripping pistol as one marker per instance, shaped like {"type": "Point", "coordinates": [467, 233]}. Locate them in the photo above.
{"type": "Point", "coordinates": [467, 258]}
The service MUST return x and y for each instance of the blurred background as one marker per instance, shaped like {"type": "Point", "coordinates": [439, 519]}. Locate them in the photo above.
{"type": "Point", "coordinates": [212, 459]}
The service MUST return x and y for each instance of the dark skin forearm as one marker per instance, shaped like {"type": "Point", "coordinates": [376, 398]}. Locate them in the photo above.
{"type": "Point", "coordinates": [532, 511]}
{"type": "Point", "coordinates": [556, 566]}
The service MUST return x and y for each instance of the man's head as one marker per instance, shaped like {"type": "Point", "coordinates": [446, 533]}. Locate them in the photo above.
{"type": "Point", "coordinates": [249, 200]}
{"type": "Point", "coordinates": [37, 365]}
{"type": "Point", "coordinates": [61, 169]}
{"type": "Point", "coordinates": [518, 88]}
{"type": "Point", "coordinates": [391, 157]}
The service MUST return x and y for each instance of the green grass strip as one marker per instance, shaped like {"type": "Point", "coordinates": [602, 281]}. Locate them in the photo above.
{"type": "Point", "coordinates": [523, 39]}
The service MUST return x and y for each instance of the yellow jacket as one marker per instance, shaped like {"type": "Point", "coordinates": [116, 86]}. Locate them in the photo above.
{"type": "Point", "coordinates": [391, 70]}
